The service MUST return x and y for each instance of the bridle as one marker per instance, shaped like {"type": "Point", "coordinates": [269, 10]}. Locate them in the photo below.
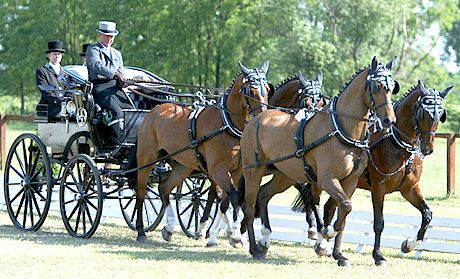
{"type": "Point", "coordinates": [312, 90]}
{"type": "Point", "coordinates": [253, 80]}
{"type": "Point", "coordinates": [380, 75]}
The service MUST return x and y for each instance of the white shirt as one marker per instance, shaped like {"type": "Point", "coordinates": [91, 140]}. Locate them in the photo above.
{"type": "Point", "coordinates": [56, 68]}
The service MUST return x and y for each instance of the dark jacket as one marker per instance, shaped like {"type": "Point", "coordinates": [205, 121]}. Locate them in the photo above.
{"type": "Point", "coordinates": [47, 76]}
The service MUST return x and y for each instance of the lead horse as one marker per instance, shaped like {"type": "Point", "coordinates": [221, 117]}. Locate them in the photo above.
{"type": "Point", "coordinates": [418, 112]}
{"type": "Point", "coordinates": [327, 150]}
{"type": "Point", "coordinates": [204, 140]}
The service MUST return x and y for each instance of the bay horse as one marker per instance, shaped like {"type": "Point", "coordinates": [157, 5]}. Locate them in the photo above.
{"type": "Point", "coordinates": [205, 140]}
{"type": "Point", "coordinates": [418, 114]}
{"type": "Point", "coordinates": [327, 150]}
{"type": "Point", "coordinates": [295, 92]}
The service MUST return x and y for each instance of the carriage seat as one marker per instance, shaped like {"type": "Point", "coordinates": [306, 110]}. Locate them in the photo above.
{"type": "Point", "coordinates": [43, 114]}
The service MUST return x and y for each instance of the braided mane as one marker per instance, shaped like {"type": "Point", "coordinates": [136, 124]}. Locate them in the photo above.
{"type": "Point", "coordinates": [406, 94]}
{"type": "Point", "coordinates": [296, 76]}
{"type": "Point", "coordinates": [233, 82]}
{"type": "Point", "coordinates": [352, 77]}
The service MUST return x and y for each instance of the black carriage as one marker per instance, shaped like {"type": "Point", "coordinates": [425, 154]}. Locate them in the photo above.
{"type": "Point", "coordinates": [75, 156]}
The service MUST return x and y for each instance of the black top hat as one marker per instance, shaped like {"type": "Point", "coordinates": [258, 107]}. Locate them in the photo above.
{"type": "Point", "coordinates": [55, 46]}
{"type": "Point", "coordinates": [83, 49]}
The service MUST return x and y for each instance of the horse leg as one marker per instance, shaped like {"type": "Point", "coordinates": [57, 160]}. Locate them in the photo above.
{"type": "Point", "coordinates": [309, 212]}
{"type": "Point", "coordinates": [141, 191]}
{"type": "Point", "coordinates": [212, 196]}
{"type": "Point", "coordinates": [175, 177]}
{"type": "Point", "coordinates": [415, 197]}
{"type": "Point", "coordinates": [278, 184]}
{"type": "Point", "coordinates": [379, 223]}
{"type": "Point", "coordinates": [214, 230]}
{"type": "Point", "coordinates": [251, 181]}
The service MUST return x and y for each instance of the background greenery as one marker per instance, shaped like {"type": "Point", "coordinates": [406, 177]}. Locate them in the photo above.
{"type": "Point", "coordinates": [200, 41]}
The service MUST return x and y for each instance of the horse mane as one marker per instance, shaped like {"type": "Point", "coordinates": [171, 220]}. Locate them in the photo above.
{"type": "Point", "coordinates": [233, 82]}
{"type": "Point", "coordinates": [352, 77]}
{"type": "Point", "coordinates": [406, 94]}
{"type": "Point", "coordinates": [286, 80]}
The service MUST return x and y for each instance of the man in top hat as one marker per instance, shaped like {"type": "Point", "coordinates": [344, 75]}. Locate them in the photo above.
{"type": "Point", "coordinates": [84, 47]}
{"type": "Point", "coordinates": [105, 67]}
{"type": "Point", "coordinates": [49, 75]}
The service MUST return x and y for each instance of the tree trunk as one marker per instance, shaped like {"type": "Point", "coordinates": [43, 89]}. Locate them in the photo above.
{"type": "Point", "coordinates": [21, 89]}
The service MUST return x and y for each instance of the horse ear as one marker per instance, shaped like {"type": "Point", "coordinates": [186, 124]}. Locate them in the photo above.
{"type": "Point", "coordinates": [302, 79]}
{"type": "Point", "coordinates": [243, 68]}
{"type": "Point", "coordinates": [421, 87]}
{"type": "Point", "coordinates": [374, 63]}
{"type": "Point", "coordinates": [446, 91]}
{"type": "Point", "coordinates": [391, 64]}
{"type": "Point", "coordinates": [320, 77]}
{"type": "Point", "coordinates": [264, 67]}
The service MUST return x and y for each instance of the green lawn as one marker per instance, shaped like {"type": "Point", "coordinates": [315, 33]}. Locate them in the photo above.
{"type": "Point", "coordinates": [114, 253]}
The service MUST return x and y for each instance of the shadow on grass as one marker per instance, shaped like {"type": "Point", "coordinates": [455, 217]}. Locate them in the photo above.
{"type": "Point", "coordinates": [109, 242]}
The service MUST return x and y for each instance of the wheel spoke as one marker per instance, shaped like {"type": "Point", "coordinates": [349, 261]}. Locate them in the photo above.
{"type": "Point", "coordinates": [31, 212]}
{"type": "Point", "coordinates": [92, 205]}
{"type": "Point", "coordinates": [26, 204]}
{"type": "Point", "coordinates": [88, 213]}
{"type": "Point", "coordinates": [186, 208]}
{"type": "Point", "coordinates": [145, 210]}
{"type": "Point", "coordinates": [34, 164]}
{"type": "Point", "coordinates": [73, 211]}
{"type": "Point", "coordinates": [20, 205]}
{"type": "Point", "coordinates": [190, 219]}
{"type": "Point", "coordinates": [17, 195]}
{"type": "Point", "coordinates": [37, 172]}
{"type": "Point", "coordinates": [26, 165]}
{"type": "Point", "coordinates": [78, 218]}
{"type": "Point", "coordinates": [24, 173]}
{"type": "Point", "coordinates": [36, 206]}
{"type": "Point", "coordinates": [83, 213]}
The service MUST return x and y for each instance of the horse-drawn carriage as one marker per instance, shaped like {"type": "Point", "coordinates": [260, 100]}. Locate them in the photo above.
{"type": "Point", "coordinates": [76, 156]}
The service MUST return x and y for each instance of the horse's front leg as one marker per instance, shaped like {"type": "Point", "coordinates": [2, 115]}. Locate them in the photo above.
{"type": "Point", "coordinates": [141, 191]}
{"type": "Point", "coordinates": [175, 177]}
{"type": "Point", "coordinates": [379, 223]}
{"type": "Point", "coordinates": [278, 184]}
{"type": "Point", "coordinates": [415, 197]}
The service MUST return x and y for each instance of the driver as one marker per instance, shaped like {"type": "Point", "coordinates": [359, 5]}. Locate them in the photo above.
{"type": "Point", "coordinates": [105, 67]}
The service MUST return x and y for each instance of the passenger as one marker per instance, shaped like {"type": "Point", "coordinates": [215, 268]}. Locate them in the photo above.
{"type": "Point", "coordinates": [105, 67]}
{"type": "Point", "coordinates": [84, 47]}
{"type": "Point", "coordinates": [50, 74]}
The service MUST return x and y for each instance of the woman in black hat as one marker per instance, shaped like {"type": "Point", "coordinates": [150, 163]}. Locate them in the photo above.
{"type": "Point", "coordinates": [49, 75]}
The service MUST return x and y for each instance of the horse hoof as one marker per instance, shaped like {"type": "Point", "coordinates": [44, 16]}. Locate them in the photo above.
{"type": "Point", "coordinates": [345, 263]}
{"type": "Point", "coordinates": [212, 244]}
{"type": "Point", "coordinates": [320, 250]}
{"type": "Point", "coordinates": [235, 242]}
{"type": "Point", "coordinates": [258, 256]}
{"type": "Point", "coordinates": [261, 249]}
{"type": "Point", "coordinates": [198, 236]}
{"type": "Point", "coordinates": [381, 263]}
{"type": "Point", "coordinates": [141, 239]}
{"type": "Point", "coordinates": [313, 235]}
{"type": "Point", "coordinates": [165, 234]}
{"type": "Point", "coordinates": [404, 247]}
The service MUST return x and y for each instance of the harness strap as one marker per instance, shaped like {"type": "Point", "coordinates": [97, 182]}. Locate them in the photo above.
{"type": "Point", "coordinates": [234, 131]}
{"type": "Point", "coordinates": [201, 162]}
{"type": "Point", "coordinates": [299, 140]}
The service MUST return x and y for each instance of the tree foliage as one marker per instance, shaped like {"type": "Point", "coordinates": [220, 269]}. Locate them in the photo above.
{"type": "Point", "coordinates": [200, 41]}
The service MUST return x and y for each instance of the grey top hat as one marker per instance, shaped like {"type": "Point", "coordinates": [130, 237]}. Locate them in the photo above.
{"type": "Point", "coordinates": [108, 28]}
{"type": "Point", "coordinates": [55, 46]}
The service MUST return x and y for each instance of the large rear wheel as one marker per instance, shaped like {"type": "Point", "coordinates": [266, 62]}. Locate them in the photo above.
{"type": "Point", "coordinates": [81, 196]}
{"type": "Point", "coordinates": [28, 182]}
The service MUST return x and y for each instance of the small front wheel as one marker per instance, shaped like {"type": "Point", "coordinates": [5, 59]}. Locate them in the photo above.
{"type": "Point", "coordinates": [81, 196]}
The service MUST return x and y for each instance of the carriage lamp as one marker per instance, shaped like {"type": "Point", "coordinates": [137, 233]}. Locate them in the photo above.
{"type": "Point", "coordinates": [71, 108]}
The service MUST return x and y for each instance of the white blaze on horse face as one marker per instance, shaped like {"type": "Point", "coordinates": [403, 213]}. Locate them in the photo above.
{"type": "Point", "coordinates": [170, 218]}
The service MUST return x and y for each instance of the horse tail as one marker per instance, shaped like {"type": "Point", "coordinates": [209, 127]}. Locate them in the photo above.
{"type": "Point", "coordinates": [132, 164]}
{"type": "Point", "coordinates": [304, 200]}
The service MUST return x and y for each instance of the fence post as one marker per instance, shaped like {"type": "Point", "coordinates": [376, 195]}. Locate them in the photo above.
{"type": "Point", "coordinates": [3, 139]}
{"type": "Point", "coordinates": [451, 164]}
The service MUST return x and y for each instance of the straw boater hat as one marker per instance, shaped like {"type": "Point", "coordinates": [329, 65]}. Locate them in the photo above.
{"type": "Point", "coordinates": [84, 47]}
{"type": "Point", "coordinates": [108, 28]}
{"type": "Point", "coordinates": [55, 46]}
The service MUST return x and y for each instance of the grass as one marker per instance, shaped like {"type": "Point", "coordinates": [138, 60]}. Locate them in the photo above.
{"type": "Point", "coordinates": [114, 253]}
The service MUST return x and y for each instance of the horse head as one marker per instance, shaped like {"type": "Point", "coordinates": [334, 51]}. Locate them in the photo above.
{"type": "Point", "coordinates": [255, 88]}
{"type": "Point", "coordinates": [427, 113]}
{"type": "Point", "coordinates": [381, 85]}
{"type": "Point", "coordinates": [310, 91]}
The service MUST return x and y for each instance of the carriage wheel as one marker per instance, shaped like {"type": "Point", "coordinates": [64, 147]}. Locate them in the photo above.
{"type": "Point", "coordinates": [79, 143]}
{"type": "Point", "coordinates": [152, 211]}
{"type": "Point", "coordinates": [191, 198]}
{"type": "Point", "coordinates": [81, 196]}
{"type": "Point", "coordinates": [28, 182]}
